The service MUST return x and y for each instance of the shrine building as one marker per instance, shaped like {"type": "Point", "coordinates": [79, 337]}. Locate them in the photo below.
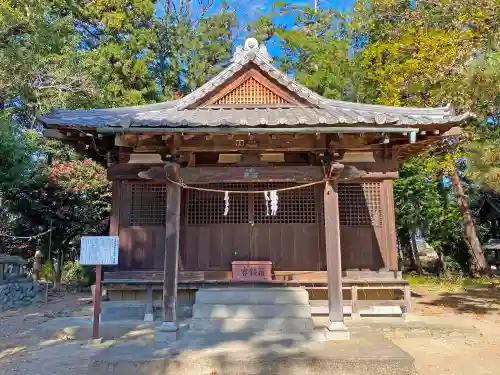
{"type": "Point", "coordinates": [253, 179]}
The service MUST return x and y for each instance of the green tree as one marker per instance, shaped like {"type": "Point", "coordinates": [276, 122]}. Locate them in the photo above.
{"type": "Point", "coordinates": [70, 195]}
{"type": "Point", "coordinates": [40, 64]}
{"type": "Point", "coordinates": [424, 54]}
{"type": "Point", "coordinates": [315, 48]}
{"type": "Point", "coordinates": [118, 37]}
{"type": "Point", "coordinates": [193, 44]}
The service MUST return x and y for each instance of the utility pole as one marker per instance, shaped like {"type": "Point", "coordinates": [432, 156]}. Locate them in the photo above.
{"type": "Point", "coordinates": [315, 5]}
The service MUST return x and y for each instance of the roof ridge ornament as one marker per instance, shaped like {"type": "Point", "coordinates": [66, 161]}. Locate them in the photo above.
{"type": "Point", "coordinates": [251, 48]}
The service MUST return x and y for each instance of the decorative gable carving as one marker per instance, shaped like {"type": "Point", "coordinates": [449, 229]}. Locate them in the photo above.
{"type": "Point", "coordinates": [251, 92]}
{"type": "Point", "coordinates": [252, 88]}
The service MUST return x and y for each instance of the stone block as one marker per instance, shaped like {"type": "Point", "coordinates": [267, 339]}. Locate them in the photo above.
{"type": "Point", "coordinates": [271, 324]}
{"type": "Point", "coordinates": [167, 332]}
{"type": "Point", "coordinates": [212, 311]}
{"type": "Point", "coordinates": [122, 310]}
{"type": "Point", "coordinates": [337, 331]}
{"type": "Point", "coordinates": [253, 296]}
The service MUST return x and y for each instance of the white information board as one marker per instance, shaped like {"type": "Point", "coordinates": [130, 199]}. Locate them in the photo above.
{"type": "Point", "coordinates": [99, 250]}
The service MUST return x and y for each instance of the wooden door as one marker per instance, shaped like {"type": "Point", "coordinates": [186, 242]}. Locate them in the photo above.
{"type": "Point", "coordinates": [291, 239]}
{"type": "Point", "coordinates": [213, 240]}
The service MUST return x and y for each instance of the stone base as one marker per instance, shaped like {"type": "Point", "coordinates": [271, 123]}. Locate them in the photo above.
{"type": "Point", "coordinates": [253, 354]}
{"type": "Point", "coordinates": [149, 317]}
{"type": "Point", "coordinates": [167, 332]}
{"type": "Point", "coordinates": [337, 331]}
{"type": "Point", "coordinates": [113, 311]}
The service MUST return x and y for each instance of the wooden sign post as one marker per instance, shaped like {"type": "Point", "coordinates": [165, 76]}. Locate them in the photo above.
{"type": "Point", "coordinates": [98, 251]}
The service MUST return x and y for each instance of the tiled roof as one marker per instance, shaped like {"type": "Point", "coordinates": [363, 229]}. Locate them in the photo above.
{"type": "Point", "coordinates": [322, 111]}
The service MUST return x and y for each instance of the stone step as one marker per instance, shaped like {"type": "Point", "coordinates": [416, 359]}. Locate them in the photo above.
{"type": "Point", "coordinates": [276, 324]}
{"type": "Point", "coordinates": [252, 296]}
{"type": "Point", "coordinates": [219, 311]}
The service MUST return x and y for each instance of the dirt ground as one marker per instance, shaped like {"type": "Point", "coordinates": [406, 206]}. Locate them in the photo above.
{"type": "Point", "coordinates": [475, 350]}
{"type": "Point", "coordinates": [472, 346]}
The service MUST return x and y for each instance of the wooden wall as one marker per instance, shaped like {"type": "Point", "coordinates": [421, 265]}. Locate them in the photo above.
{"type": "Point", "coordinates": [139, 210]}
{"type": "Point", "coordinates": [368, 237]}
{"type": "Point", "coordinates": [367, 227]}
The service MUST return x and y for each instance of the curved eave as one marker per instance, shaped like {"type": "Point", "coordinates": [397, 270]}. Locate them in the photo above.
{"type": "Point", "coordinates": [248, 118]}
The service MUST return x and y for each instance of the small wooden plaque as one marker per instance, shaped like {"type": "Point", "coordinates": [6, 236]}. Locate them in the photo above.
{"type": "Point", "coordinates": [252, 270]}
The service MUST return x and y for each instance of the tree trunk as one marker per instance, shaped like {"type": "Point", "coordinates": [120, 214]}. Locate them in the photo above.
{"type": "Point", "coordinates": [2, 239]}
{"type": "Point", "coordinates": [414, 253]}
{"type": "Point", "coordinates": [406, 250]}
{"type": "Point", "coordinates": [479, 264]}
{"type": "Point", "coordinates": [58, 271]}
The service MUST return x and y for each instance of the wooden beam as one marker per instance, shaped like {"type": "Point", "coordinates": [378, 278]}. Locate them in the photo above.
{"type": "Point", "coordinates": [155, 173]}
{"type": "Point", "coordinates": [191, 160]}
{"type": "Point", "coordinates": [203, 175]}
{"type": "Point", "coordinates": [172, 171]}
{"type": "Point", "coordinates": [126, 171]}
{"type": "Point", "coordinates": [173, 143]}
{"type": "Point", "coordinates": [171, 259]}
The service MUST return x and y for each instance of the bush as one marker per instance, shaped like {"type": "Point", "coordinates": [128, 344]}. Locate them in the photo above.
{"type": "Point", "coordinates": [46, 273]}
{"type": "Point", "coordinates": [75, 274]}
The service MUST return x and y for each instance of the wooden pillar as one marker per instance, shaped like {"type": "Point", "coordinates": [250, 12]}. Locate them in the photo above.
{"type": "Point", "coordinates": [168, 331]}
{"type": "Point", "coordinates": [389, 226]}
{"type": "Point", "coordinates": [336, 329]}
{"type": "Point", "coordinates": [114, 223]}
{"type": "Point", "coordinates": [149, 315]}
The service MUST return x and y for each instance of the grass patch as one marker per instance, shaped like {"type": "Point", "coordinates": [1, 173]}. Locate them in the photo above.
{"type": "Point", "coordinates": [449, 284]}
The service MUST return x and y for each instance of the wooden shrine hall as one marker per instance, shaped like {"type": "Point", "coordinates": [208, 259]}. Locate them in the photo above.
{"type": "Point", "coordinates": [252, 178]}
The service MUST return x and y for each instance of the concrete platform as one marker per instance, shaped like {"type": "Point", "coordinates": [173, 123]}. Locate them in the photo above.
{"type": "Point", "coordinates": [273, 324]}
{"type": "Point", "coordinates": [112, 311]}
{"type": "Point", "coordinates": [250, 311]}
{"type": "Point", "coordinates": [247, 354]}
{"type": "Point", "coordinates": [253, 296]}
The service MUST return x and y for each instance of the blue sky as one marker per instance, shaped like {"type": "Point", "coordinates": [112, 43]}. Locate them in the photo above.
{"type": "Point", "coordinates": [249, 10]}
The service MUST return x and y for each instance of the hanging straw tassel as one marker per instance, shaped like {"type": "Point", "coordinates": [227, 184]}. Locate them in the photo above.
{"type": "Point", "coordinates": [268, 199]}
{"type": "Point", "coordinates": [226, 201]}
{"type": "Point", "coordinates": [274, 202]}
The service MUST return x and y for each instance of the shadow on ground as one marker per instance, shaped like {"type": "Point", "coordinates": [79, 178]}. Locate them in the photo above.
{"type": "Point", "coordinates": [254, 353]}
{"type": "Point", "coordinates": [479, 300]}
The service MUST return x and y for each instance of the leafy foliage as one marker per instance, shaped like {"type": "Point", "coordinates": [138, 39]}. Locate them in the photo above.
{"type": "Point", "coordinates": [192, 49]}
{"type": "Point", "coordinates": [314, 47]}
{"type": "Point", "coordinates": [40, 64]}
{"type": "Point", "coordinates": [79, 54]}
{"type": "Point", "coordinates": [119, 37]}
{"type": "Point", "coordinates": [15, 153]}
{"type": "Point", "coordinates": [76, 274]}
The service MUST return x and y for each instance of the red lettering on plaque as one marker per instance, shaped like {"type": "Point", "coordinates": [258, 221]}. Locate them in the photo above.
{"type": "Point", "coordinates": [252, 270]}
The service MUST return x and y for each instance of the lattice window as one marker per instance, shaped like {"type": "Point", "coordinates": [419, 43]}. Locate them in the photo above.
{"type": "Point", "coordinates": [359, 204]}
{"type": "Point", "coordinates": [208, 208]}
{"type": "Point", "coordinates": [148, 204]}
{"type": "Point", "coordinates": [251, 92]}
{"type": "Point", "coordinates": [296, 206]}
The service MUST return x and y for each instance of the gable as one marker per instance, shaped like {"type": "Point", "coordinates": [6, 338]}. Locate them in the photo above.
{"type": "Point", "coordinates": [251, 87]}
{"type": "Point", "coordinates": [251, 91]}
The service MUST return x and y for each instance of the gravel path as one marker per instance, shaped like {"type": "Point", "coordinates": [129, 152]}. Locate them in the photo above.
{"type": "Point", "coordinates": [23, 352]}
